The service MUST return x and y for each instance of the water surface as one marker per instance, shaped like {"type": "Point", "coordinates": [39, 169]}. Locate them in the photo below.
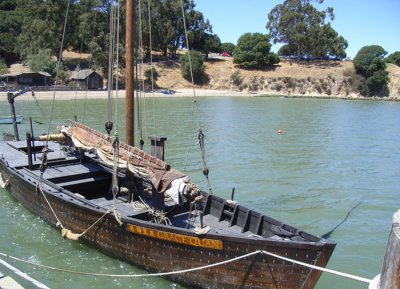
{"type": "Point", "coordinates": [333, 155]}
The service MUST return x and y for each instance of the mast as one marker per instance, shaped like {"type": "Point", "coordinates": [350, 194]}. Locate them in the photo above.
{"type": "Point", "coordinates": [129, 72]}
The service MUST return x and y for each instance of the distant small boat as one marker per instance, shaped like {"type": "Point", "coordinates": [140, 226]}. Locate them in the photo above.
{"type": "Point", "coordinates": [9, 119]}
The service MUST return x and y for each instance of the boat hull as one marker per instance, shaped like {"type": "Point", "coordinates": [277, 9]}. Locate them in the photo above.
{"type": "Point", "coordinates": [162, 248]}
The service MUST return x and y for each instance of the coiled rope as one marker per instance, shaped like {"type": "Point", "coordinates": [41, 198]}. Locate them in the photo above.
{"type": "Point", "coordinates": [338, 273]}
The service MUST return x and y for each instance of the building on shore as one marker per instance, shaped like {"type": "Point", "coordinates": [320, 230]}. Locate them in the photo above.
{"type": "Point", "coordinates": [86, 79]}
{"type": "Point", "coordinates": [26, 79]}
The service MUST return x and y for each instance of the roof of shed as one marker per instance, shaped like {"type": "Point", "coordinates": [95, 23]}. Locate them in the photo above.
{"type": "Point", "coordinates": [81, 74]}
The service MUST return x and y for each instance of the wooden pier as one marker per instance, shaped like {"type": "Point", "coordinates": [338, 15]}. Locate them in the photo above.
{"type": "Point", "coordinates": [390, 274]}
{"type": "Point", "coordinates": [7, 282]}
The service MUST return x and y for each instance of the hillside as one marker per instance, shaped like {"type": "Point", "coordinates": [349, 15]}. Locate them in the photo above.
{"type": "Point", "coordinates": [308, 78]}
{"type": "Point", "coordinates": [289, 78]}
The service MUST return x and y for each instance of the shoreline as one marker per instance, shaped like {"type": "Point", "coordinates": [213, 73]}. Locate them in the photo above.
{"type": "Point", "coordinates": [185, 92]}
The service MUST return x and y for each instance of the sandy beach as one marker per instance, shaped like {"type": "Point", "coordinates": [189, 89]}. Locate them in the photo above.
{"type": "Point", "coordinates": [66, 95]}
{"type": "Point", "coordinates": [181, 92]}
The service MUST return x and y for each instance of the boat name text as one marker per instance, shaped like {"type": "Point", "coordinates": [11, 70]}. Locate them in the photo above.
{"type": "Point", "coordinates": [176, 238]}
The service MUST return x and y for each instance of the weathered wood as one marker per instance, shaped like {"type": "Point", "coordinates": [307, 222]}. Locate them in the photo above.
{"type": "Point", "coordinates": [390, 275]}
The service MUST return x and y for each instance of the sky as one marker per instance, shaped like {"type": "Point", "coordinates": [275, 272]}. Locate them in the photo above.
{"type": "Point", "coordinates": [360, 22]}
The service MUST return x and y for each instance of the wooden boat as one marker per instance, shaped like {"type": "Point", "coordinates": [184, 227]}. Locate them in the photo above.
{"type": "Point", "coordinates": [9, 119]}
{"type": "Point", "coordinates": [77, 187]}
{"type": "Point", "coordinates": [134, 206]}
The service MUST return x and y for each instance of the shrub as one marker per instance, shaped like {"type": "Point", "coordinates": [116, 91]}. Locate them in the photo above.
{"type": "Point", "coordinates": [369, 63]}
{"type": "Point", "coordinates": [150, 74]}
{"type": "Point", "coordinates": [375, 84]}
{"type": "Point", "coordinates": [236, 78]}
{"type": "Point", "coordinates": [348, 72]}
{"type": "Point", "coordinates": [198, 67]}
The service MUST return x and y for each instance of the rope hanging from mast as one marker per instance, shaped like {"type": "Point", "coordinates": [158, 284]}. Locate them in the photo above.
{"type": "Point", "coordinates": [64, 231]}
{"type": "Point", "coordinates": [200, 135]}
{"type": "Point", "coordinates": [141, 83]}
{"type": "Point", "coordinates": [111, 59]}
{"type": "Point", "coordinates": [90, 65]}
{"type": "Point", "coordinates": [115, 144]}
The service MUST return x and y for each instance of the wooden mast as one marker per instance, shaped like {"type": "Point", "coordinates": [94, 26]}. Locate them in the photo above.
{"type": "Point", "coordinates": [129, 72]}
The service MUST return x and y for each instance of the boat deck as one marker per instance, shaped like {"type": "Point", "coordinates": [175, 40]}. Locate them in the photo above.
{"type": "Point", "coordinates": [90, 183]}
{"type": "Point", "coordinates": [16, 153]}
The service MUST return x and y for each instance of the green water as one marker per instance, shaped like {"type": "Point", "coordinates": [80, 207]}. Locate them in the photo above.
{"type": "Point", "coordinates": [332, 155]}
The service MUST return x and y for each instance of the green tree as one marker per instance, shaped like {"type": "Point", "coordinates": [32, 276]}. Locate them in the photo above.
{"type": "Point", "coordinates": [302, 27]}
{"type": "Point", "coordinates": [253, 51]}
{"type": "Point", "coordinates": [168, 33]}
{"type": "Point", "coordinates": [41, 61]}
{"type": "Point", "coordinates": [286, 50]}
{"type": "Point", "coordinates": [42, 25]}
{"type": "Point", "coordinates": [212, 44]}
{"type": "Point", "coordinates": [369, 59]}
{"type": "Point", "coordinates": [228, 47]}
{"type": "Point", "coordinates": [198, 67]}
{"type": "Point", "coordinates": [393, 58]}
{"type": "Point", "coordinates": [369, 62]}
{"type": "Point", "coordinates": [10, 28]}
{"type": "Point", "coordinates": [204, 42]}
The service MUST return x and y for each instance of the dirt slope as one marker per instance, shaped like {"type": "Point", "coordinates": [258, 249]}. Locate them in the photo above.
{"type": "Point", "coordinates": [308, 78]}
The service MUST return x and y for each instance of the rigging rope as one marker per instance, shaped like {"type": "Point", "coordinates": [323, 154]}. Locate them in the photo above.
{"type": "Point", "coordinates": [110, 85]}
{"type": "Point", "coordinates": [114, 185]}
{"type": "Point", "coordinates": [90, 65]}
{"type": "Point", "coordinates": [45, 150]}
{"type": "Point", "coordinates": [205, 169]}
{"type": "Point", "coordinates": [117, 73]}
{"type": "Point", "coordinates": [57, 70]}
{"type": "Point", "coordinates": [77, 82]}
{"type": "Point", "coordinates": [334, 272]}
{"type": "Point", "coordinates": [66, 232]}
{"type": "Point", "coordinates": [141, 85]}
{"type": "Point", "coordinates": [151, 67]}
{"type": "Point", "coordinates": [40, 108]}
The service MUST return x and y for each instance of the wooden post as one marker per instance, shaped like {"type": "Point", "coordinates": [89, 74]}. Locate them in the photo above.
{"type": "Point", "coordinates": [29, 150]}
{"type": "Point", "coordinates": [390, 275]}
{"type": "Point", "coordinates": [10, 98]}
{"type": "Point", "coordinates": [158, 146]}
